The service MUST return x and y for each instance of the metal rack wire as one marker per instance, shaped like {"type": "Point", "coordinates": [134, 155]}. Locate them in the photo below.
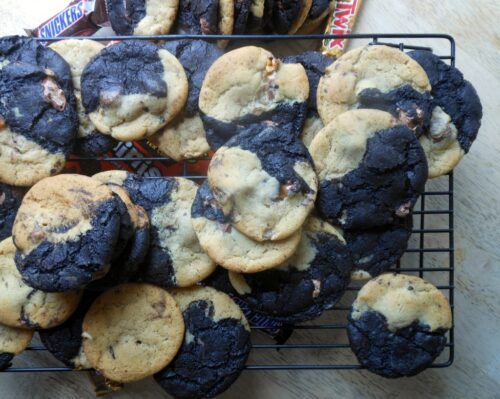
{"type": "Point", "coordinates": [433, 223]}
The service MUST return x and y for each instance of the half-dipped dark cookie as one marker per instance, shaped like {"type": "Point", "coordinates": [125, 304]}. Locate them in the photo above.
{"type": "Point", "coordinates": [13, 341]}
{"type": "Point", "coordinates": [264, 180]}
{"type": "Point", "coordinates": [377, 77]}
{"type": "Point", "coordinates": [371, 169]}
{"type": "Point", "coordinates": [377, 249]}
{"type": "Point", "coordinates": [10, 200]}
{"type": "Point", "coordinates": [184, 138]}
{"type": "Point", "coordinates": [456, 118]}
{"type": "Point", "coordinates": [310, 282]}
{"type": "Point", "coordinates": [64, 342]}
{"type": "Point", "coordinates": [65, 232]}
{"type": "Point", "coordinates": [287, 16]}
{"type": "Point", "coordinates": [215, 348]}
{"type": "Point", "coordinates": [248, 86]}
{"type": "Point", "coordinates": [133, 88]}
{"type": "Point", "coordinates": [142, 17]}
{"type": "Point", "coordinates": [78, 53]}
{"type": "Point", "coordinates": [315, 64]}
{"type": "Point", "coordinates": [398, 324]}
{"type": "Point", "coordinates": [241, 15]}
{"type": "Point", "coordinates": [230, 248]}
{"type": "Point", "coordinates": [317, 14]}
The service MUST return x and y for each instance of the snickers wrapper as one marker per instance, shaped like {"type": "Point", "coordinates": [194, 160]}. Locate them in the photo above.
{"type": "Point", "coordinates": [341, 22]}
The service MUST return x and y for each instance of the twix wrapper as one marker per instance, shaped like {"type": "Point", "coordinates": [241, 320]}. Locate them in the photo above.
{"type": "Point", "coordinates": [341, 22]}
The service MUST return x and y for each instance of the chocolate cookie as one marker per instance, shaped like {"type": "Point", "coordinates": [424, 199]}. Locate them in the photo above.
{"type": "Point", "coordinates": [10, 200]}
{"type": "Point", "coordinates": [13, 341]}
{"type": "Point", "coordinates": [287, 15]}
{"type": "Point", "coordinates": [377, 77]}
{"type": "Point", "coordinates": [26, 307]}
{"type": "Point", "coordinates": [132, 331]}
{"type": "Point", "coordinates": [264, 180]}
{"type": "Point", "coordinates": [248, 86]}
{"type": "Point", "coordinates": [78, 53]}
{"type": "Point", "coordinates": [371, 170]}
{"type": "Point", "coordinates": [133, 88]}
{"type": "Point", "coordinates": [456, 118]}
{"type": "Point", "coordinates": [184, 138]}
{"type": "Point", "coordinates": [241, 15]}
{"type": "Point", "coordinates": [65, 232]}
{"type": "Point", "coordinates": [319, 11]}
{"type": "Point", "coordinates": [398, 324]}
{"type": "Point", "coordinates": [142, 17]}
{"type": "Point", "coordinates": [315, 64]}
{"type": "Point", "coordinates": [64, 342]}
{"type": "Point", "coordinates": [376, 250]}
{"type": "Point", "coordinates": [304, 286]}
{"type": "Point", "coordinates": [230, 248]}
{"type": "Point", "coordinates": [215, 348]}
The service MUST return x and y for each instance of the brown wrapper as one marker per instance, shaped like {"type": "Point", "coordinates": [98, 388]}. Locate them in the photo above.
{"type": "Point", "coordinates": [341, 22]}
{"type": "Point", "coordinates": [78, 18]}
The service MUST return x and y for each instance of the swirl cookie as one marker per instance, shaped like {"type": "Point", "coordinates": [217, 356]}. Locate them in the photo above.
{"type": "Point", "coordinates": [287, 15]}
{"type": "Point", "coordinates": [78, 53]}
{"type": "Point", "coordinates": [248, 86]}
{"type": "Point", "coordinates": [38, 120]}
{"type": "Point", "coordinates": [154, 332]}
{"type": "Point", "coordinates": [456, 118]}
{"type": "Point", "coordinates": [215, 348]}
{"type": "Point", "coordinates": [133, 88]}
{"type": "Point", "coordinates": [10, 200]}
{"type": "Point", "coordinates": [320, 9]}
{"type": "Point", "coordinates": [25, 307]}
{"type": "Point", "coordinates": [13, 341]}
{"type": "Point", "coordinates": [64, 342]}
{"type": "Point", "coordinates": [371, 170]}
{"type": "Point", "coordinates": [184, 138]}
{"type": "Point", "coordinates": [398, 324]}
{"type": "Point", "coordinates": [142, 17]}
{"type": "Point", "coordinates": [65, 232]}
{"type": "Point", "coordinates": [264, 179]}
{"type": "Point", "coordinates": [304, 286]}
{"type": "Point", "coordinates": [377, 249]}
{"type": "Point", "coordinates": [377, 77]}
{"type": "Point", "coordinates": [315, 64]}
{"type": "Point", "coordinates": [227, 246]}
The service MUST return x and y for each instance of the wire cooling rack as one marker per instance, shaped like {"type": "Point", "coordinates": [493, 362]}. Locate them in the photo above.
{"type": "Point", "coordinates": [322, 344]}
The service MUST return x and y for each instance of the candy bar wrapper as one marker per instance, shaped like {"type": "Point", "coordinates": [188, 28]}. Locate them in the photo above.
{"type": "Point", "coordinates": [341, 22]}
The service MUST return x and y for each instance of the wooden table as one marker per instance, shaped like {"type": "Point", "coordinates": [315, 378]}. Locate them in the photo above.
{"type": "Point", "coordinates": [476, 370]}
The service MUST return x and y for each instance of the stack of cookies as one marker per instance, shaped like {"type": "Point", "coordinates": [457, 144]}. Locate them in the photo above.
{"type": "Point", "coordinates": [317, 167]}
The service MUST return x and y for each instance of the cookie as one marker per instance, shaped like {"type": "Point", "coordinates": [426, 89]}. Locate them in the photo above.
{"type": "Point", "coordinates": [10, 200]}
{"type": "Point", "coordinates": [13, 341]}
{"type": "Point", "coordinates": [65, 232]}
{"type": "Point", "coordinates": [241, 15]}
{"type": "Point", "coordinates": [248, 86]}
{"type": "Point", "coordinates": [315, 64]}
{"type": "Point", "coordinates": [256, 17]}
{"type": "Point", "coordinates": [320, 9]}
{"type": "Point", "coordinates": [184, 138]}
{"type": "Point", "coordinates": [376, 250]}
{"type": "Point", "coordinates": [25, 307]}
{"type": "Point", "coordinates": [287, 15]}
{"type": "Point", "coordinates": [456, 118]}
{"type": "Point", "coordinates": [230, 248]}
{"type": "Point", "coordinates": [371, 169]}
{"type": "Point", "coordinates": [215, 348]}
{"type": "Point", "coordinates": [175, 257]}
{"type": "Point", "coordinates": [310, 282]}
{"type": "Point", "coordinates": [78, 53]}
{"type": "Point", "coordinates": [142, 17]}
{"type": "Point", "coordinates": [64, 342]}
{"type": "Point", "coordinates": [153, 326]}
{"type": "Point", "coordinates": [398, 324]}
{"type": "Point", "coordinates": [377, 77]}
{"type": "Point", "coordinates": [133, 88]}
{"type": "Point", "coordinates": [264, 180]}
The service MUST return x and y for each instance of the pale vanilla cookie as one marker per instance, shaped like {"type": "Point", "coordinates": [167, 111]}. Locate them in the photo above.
{"type": "Point", "coordinates": [133, 88]}
{"type": "Point", "coordinates": [13, 341]}
{"type": "Point", "coordinates": [264, 181]}
{"type": "Point", "coordinates": [227, 246]}
{"type": "Point", "coordinates": [132, 331]}
{"type": "Point", "coordinates": [398, 324]}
